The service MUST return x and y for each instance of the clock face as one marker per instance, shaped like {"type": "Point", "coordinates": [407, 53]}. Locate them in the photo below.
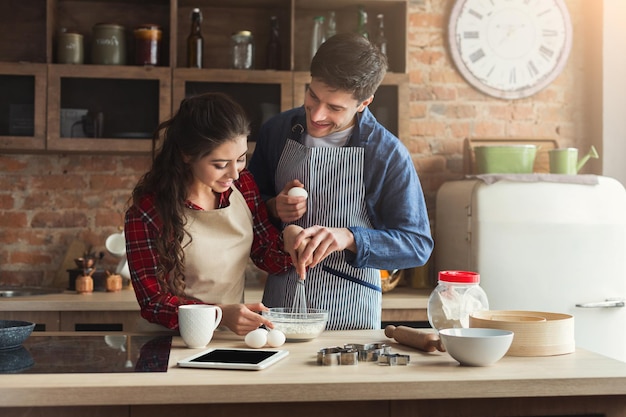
{"type": "Point", "coordinates": [510, 48]}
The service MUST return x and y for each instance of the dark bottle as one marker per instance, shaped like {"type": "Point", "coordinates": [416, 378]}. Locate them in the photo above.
{"type": "Point", "coordinates": [380, 40]}
{"type": "Point", "coordinates": [195, 42]}
{"type": "Point", "coordinates": [361, 27]}
{"type": "Point", "coordinates": [273, 46]}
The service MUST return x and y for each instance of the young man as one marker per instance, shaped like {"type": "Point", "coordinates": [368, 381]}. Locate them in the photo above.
{"type": "Point", "coordinates": [365, 210]}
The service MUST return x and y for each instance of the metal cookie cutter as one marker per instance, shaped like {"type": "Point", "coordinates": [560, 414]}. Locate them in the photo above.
{"type": "Point", "coordinates": [393, 359]}
{"type": "Point", "coordinates": [337, 356]}
{"type": "Point", "coordinates": [371, 351]}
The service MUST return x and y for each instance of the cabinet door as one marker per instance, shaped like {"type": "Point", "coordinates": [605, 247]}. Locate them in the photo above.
{"type": "Point", "coordinates": [22, 106]}
{"type": "Point", "coordinates": [106, 108]}
{"type": "Point", "coordinates": [261, 93]}
{"type": "Point", "coordinates": [109, 321]}
{"type": "Point", "coordinates": [45, 321]}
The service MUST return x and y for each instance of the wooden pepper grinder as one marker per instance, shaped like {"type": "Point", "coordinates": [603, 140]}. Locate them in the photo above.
{"type": "Point", "coordinates": [84, 283]}
{"type": "Point", "coordinates": [114, 282]}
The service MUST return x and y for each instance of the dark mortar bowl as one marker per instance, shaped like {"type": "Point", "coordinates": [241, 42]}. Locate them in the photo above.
{"type": "Point", "coordinates": [15, 360]}
{"type": "Point", "coordinates": [14, 332]}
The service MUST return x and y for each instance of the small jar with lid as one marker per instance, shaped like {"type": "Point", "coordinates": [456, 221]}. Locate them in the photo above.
{"type": "Point", "coordinates": [147, 44]}
{"type": "Point", "coordinates": [457, 295]}
{"type": "Point", "coordinates": [242, 50]}
{"type": "Point", "coordinates": [84, 283]}
{"type": "Point", "coordinates": [108, 44]}
{"type": "Point", "coordinates": [70, 48]}
{"type": "Point", "coordinates": [114, 282]}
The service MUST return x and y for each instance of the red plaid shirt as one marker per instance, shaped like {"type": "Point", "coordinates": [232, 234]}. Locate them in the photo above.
{"type": "Point", "coordinates": [143, 227]}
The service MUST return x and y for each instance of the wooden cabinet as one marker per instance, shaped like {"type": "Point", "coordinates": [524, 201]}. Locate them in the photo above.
{"type": "Point", "coordinates": [45, 321]}
{"type": "Point", "coordinates": [77, 321]}
{"type": "Point", "coordinates": [46, 106]}
{"type": "Point", "coordinates": [107, 321]}
{"type": "Point", "coordinates": [129, 106]}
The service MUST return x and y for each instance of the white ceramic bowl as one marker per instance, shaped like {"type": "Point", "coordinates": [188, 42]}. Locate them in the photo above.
{"type": "Point", "coordinates": [298, 327]}
{"type": "Point", "coordinates": [476, 346]}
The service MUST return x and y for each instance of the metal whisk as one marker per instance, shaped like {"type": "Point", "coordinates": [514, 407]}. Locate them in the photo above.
{"type": "Point", "coordinates": [299, 298]}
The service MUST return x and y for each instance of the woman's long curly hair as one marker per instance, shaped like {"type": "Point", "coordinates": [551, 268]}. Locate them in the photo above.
{"type": "Point", "coordinates": [202, 123]}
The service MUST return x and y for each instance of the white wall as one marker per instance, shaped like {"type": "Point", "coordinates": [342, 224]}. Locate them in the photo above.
{"type": "Point", "coordinates": [614, 90]}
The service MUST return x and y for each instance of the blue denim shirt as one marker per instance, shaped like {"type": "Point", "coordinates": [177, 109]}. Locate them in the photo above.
{"type": "Point", "coordinates": [400, 237]}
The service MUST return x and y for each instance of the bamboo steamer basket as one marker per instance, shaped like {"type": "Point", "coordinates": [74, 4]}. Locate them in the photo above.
{"type": "Point", "coordinates": [536, 333]}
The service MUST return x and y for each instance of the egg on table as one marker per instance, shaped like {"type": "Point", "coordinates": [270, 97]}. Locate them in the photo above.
{"type": "Point", "coordinates": [256, 338]}
{"type": "Point", "coordinates": [275, 338]}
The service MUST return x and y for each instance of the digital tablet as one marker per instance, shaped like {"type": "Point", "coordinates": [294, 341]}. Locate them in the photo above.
{"type": "Point", "coordinates": [234, 358]}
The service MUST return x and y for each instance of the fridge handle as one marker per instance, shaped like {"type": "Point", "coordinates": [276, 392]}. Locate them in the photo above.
{"type": "Point", "coordinates": [608, 303]}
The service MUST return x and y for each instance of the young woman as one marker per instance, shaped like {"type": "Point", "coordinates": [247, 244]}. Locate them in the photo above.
{"type": "Point", "coordinates": [197, 217]}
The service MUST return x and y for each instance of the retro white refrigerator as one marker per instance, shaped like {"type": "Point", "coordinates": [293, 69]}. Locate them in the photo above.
{"type": "Point", "coordinates": [542, 246]}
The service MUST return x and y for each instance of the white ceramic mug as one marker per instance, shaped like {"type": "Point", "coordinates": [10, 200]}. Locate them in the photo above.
{"type": "Point", "coordinates": [197, 322]}
{"type": "Point", "coordinates": [116, 244]}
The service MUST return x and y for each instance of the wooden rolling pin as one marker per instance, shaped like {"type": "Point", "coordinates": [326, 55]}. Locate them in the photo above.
{"type": "Point", "coordinates": [427, 342]}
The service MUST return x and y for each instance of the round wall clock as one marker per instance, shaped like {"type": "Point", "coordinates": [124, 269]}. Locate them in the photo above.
{"type": "Point", "coordinates": [510, 48]}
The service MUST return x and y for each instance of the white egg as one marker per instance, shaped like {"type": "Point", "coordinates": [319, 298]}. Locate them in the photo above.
{"type": "Point", "coordinates": [256, 338]}
{"type": "Point", "coordinates": [298, 192]}
{"type": "Point", "coordinates": [275, 338]}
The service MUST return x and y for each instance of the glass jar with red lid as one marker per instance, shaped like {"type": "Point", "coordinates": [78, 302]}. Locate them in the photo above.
{"type": "Point", "coordinates": [457, 295]}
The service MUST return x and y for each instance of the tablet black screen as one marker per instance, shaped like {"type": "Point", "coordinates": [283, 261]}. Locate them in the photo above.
{"type": "Point", "coordinates": [234, 356]}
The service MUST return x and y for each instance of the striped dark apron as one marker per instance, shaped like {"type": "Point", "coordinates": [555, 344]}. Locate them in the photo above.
{"type": "Point", "coordinates": [333, 178]}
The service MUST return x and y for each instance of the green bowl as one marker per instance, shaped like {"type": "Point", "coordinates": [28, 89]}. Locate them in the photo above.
{"type": "Point", "coordinates": [505, 159]}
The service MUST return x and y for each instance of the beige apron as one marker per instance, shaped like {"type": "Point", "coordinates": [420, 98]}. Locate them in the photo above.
{"type": "Point", "coordinates": [216, 258]}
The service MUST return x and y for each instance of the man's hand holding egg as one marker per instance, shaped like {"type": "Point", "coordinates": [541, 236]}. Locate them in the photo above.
{"type": "Point", "coordinates": [298, 192]}
{"type": "Point", "coordinates": [291, 203]}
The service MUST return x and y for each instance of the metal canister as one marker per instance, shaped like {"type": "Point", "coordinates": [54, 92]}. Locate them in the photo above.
{"type": "Point", "coordinates": [108, 45]}
{"type": "Point", "coordinates": [70, 48]}
{"type": "Point", "coordinates": [147, 44]}
{"type": "Point", "coordinates": [242, 50]}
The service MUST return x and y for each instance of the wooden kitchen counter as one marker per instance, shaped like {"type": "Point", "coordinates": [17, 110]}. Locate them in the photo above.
{"type": "Point", "coordinates": [433, 384]}
{"type": "Point", "coordinates": [400, 298]}
{"type": "Point", "coordinates": [67, 310]}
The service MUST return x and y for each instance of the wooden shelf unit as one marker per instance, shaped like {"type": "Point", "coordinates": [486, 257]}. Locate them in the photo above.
{"type": "Point", "coordinates": [134, 99]}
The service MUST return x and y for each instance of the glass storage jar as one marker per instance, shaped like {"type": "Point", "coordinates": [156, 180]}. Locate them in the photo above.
{"type": "Point", "coordinates": [242, 50]}
{"type": "Point", "coordinates": [147, 44]}
{"type": "Point", "coordinates": [457, 295]}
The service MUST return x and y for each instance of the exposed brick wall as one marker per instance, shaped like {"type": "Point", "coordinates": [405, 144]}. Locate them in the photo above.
{"type": "Point", "coordinates": [47, 201]}
{"type": "Point", "coordinates": [445, 109]}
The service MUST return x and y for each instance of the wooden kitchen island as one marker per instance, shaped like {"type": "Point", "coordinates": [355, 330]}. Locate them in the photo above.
{"type": "Point", "coordinates": [432, 384]}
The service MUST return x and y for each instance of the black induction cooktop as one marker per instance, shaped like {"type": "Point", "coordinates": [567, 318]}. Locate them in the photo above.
{"type": "Point", "coordinates": [106, 353]}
